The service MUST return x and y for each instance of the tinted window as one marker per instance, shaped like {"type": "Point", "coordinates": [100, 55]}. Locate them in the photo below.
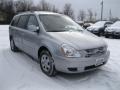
{"type": "Point", "coordinates": [15, 21]}
{"type": "Point", "coordinates": [32, 21]}
{"type": "Point", "coordinates": [23, 21]}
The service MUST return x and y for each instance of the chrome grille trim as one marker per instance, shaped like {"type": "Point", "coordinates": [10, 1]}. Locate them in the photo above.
{"type": "Point", "coordinates": [95, 52]}
{"type": "Point", "coordinates": [116, 33]}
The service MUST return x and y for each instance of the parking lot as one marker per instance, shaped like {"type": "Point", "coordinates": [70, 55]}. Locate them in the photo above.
{"type": "Point", "coordinates": [19, 72]}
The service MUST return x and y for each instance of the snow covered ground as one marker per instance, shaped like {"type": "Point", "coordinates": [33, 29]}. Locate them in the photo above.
{"type": "Point", "coordinates": [19, 72]}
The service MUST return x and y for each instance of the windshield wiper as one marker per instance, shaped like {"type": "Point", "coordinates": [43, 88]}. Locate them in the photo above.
{"type": "Point", "coordinates": [56, 31]}
{"type": "Point", "coordinates": [74, 30]}
{"type": "Point", "coordinates": [70, 30]}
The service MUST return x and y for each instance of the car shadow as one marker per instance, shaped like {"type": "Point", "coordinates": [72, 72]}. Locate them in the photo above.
{"type": "Point", "coordinates": [78, 75]}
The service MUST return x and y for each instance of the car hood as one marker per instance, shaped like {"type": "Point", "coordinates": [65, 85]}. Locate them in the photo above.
{"type": "Point", "coordinates": [117, 29]}
{"type": "Point", "coordinates": [91, 28]}
{"type": "Point", "coordinates": [79, 40]}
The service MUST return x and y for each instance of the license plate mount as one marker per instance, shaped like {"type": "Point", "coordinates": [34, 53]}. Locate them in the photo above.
{"type": "Point", "coordinates": [99, 61]}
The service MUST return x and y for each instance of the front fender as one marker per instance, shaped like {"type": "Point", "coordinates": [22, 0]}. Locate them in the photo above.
{"type": "Point", "coordinates": [51, 46]}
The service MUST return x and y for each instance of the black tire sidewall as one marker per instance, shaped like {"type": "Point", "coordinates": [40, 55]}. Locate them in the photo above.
{"type": "Point", "coordinates": [14, 49]}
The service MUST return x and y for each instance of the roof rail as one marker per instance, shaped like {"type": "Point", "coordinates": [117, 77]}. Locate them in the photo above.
{"type": "Point", "coordinates": [25, 12]}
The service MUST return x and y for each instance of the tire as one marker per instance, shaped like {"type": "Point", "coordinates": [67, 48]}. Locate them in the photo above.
{"type": "Point", "coordinates": [12, 46]}
{"type": "Point", "coordinates": [47, 63]}
{"type": "Point", "coordinates": [111, 36]}
{"type": "Point", "coordinates": [101, 33]}
{"type": "Point", "coordinates": [107, 36]}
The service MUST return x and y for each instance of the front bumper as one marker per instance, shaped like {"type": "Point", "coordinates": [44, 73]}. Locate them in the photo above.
{"type": "Point", "coordinates": [108, 34]}
{"type": "Point", "coordinates": [114, 34]}
{"type": "Point", "coordinates": [77, 65]}
{"type": "Point", "coordinates": [95, 32]}
{"type": "Point", "coordinates": [117, 34]}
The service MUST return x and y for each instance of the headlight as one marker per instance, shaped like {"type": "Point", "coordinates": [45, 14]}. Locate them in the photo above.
{"type": "Point", "coordinates": [89, 29]}
{"type": "Point", "coordinates": [95, 29]}
{"type": "Point", "coordinates": [69, 51]}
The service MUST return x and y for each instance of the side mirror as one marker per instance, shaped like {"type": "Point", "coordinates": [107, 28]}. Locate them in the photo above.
{"type": "Point", "coordinates": [33, 28]}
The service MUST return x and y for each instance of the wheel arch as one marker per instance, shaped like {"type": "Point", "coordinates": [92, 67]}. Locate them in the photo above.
{"type": "Point", "coordinates": [43, 48]}
{"type": "Point", "coordinates": [10, 37]}
{"type": "Point", "coordinates": [54, 71]}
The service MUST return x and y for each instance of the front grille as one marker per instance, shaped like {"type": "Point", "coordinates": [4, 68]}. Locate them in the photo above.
{"type": "Point", "coordinates": [95, 52]}
{"type": "Point", "coordinates": [109, 32]}
{"type": "Point", "coordinates": [93, 66]}
{"type": "Point", "coordinates": [117, 33]}
{"type": "Point", "coordinates": [95, 31]}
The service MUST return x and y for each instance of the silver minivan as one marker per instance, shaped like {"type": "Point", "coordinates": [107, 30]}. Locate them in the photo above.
{"type": "Point", "coordinates": [57, 42]}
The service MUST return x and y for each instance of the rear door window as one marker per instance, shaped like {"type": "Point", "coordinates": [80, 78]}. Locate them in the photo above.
{"type": "Point", "coordinates": [23, 21]}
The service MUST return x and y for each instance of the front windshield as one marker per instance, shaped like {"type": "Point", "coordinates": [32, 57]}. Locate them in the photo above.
{"type": "Point", "coordinates": [116, 24]}
{"type": "Point", "coordinates": [59, 23]}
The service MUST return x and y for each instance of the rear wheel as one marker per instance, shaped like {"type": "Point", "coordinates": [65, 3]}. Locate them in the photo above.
{"type": "Point", "coordinates": [12, 46]}
{"type": "Point", "coordinates": [47, 63]}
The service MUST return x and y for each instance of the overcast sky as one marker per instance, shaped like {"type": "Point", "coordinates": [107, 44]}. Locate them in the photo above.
{"type": "Point", "coordinates": [114, 5]}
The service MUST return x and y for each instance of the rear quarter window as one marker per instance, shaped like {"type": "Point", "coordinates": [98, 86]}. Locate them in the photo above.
{"type": "Point", "coordinates": [15, 21]}
{"type": "Point", "coordinates": [23, 21]}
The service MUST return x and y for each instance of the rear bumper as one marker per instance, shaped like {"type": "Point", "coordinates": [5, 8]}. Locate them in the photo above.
{"type": "Point", "coordinates": [77, 65]}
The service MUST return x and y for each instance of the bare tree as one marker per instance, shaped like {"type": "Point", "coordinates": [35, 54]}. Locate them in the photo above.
{"type": "Point", "coordinates": [44, 6]}
{"type": "Point", "coordinates": [95, 16]}
{"type": "Point", "coordinates": [23, 5]}
{"type": "Point", "coordinates": [90, 14]}
{"type": "Point", "coordinates": [1, 2]}
{"type": "Point", "coordinates": [54, 9]}
{"type": "Point", "coordinates": [81, 15]}
{"type": "Point", "coordinates": [7, 8]}
{"type": "Point", "coordinates": [110, 14]}
{"type": "Point", "coordinates": [34, 8]}
{"type": "Point", "coordinates": [10, 7]}
{"type": "Point", "coordinates": [114, 19]}
{"type": "Point", "coordinates": [68, 11]}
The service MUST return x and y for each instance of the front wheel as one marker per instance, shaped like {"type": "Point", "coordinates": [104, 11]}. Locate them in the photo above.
{"type": "Point", "coordinates": [47, 63]}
